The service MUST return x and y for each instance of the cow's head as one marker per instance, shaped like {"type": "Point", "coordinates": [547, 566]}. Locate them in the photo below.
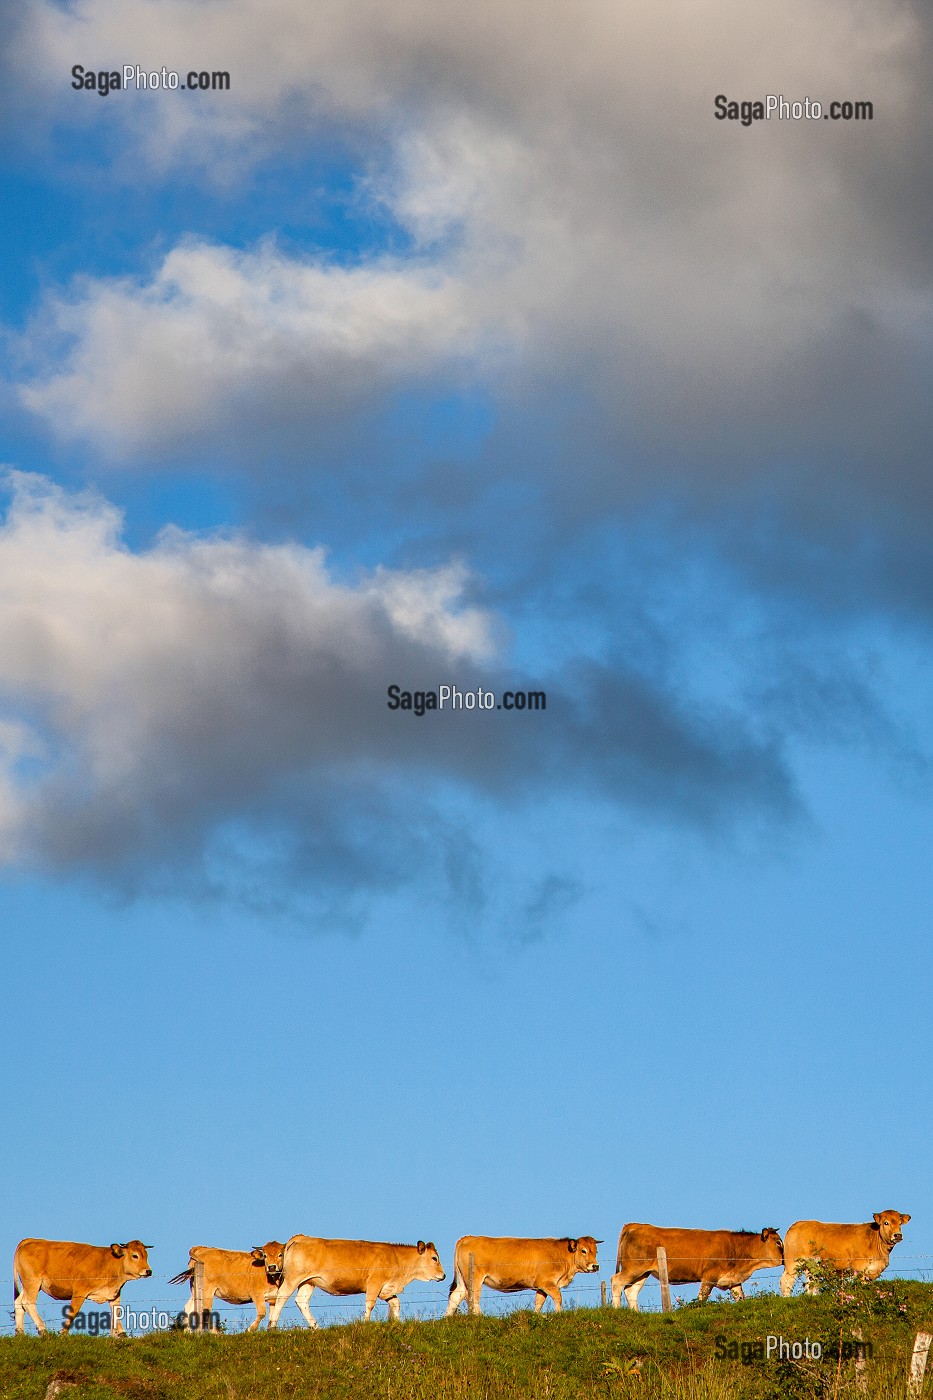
{"type": "Point", "coordinates": [584, 1252]}
{"type": "Point", "coordinates": [429, 1265]}
{"type": "Point", "coordinates": [888, 1223]}
{"type": "Point", "coordinates": [271, 1258]}
{"type": "Point", "coordinates": [774, 1246]}
{"type": "Point", "coordinates": [134, 1258]}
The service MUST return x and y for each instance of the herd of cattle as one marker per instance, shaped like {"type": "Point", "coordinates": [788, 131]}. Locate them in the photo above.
{"type": "Point", "coordinates": [270, 1274]}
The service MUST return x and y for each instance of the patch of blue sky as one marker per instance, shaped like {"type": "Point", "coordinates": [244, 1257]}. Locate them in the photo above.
{"type": "Point", "coordinates": [87, 216]}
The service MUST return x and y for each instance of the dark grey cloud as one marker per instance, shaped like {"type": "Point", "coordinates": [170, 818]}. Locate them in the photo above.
{"type": "Point", "coordinates": [163, 710]}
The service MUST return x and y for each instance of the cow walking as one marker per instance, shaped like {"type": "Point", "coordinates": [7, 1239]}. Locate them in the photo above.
{"type": "Point", "coordinates": [512, 1265]}
{"type": "Point", "coordinates": [712, 1258]}
{"type": "Point", "coordinates": [344, 1267]}
{"type": "Point", "coordinates": [76, 1273]}
{"type": "Point", "coordinates": [863, 1249]}
{"type": "Point", "coordinates": [235, 1276]}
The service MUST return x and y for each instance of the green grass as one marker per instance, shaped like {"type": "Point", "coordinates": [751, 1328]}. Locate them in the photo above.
{"type": "Point", "coordinates": [581, 1353]}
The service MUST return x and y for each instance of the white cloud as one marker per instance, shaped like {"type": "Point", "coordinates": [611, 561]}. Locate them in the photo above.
{"type": "Point", "coordinates": [170, 357]}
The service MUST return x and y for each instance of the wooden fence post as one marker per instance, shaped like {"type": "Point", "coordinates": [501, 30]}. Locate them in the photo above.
{"type": "Point", "coordinates": [602, 1294]}
{"type": "Point", "coordinates": [918, 1364]}
{"type": "Point", "coordinates": [472, 1300]}
{"type": "Point", "coordinates": [665, 1281]}
{"type": "Point", "coordinates": [198, 1292]}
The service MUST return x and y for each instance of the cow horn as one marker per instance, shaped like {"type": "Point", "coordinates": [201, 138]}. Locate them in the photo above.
{"type": "Point", "coordinates": [599, 1241]}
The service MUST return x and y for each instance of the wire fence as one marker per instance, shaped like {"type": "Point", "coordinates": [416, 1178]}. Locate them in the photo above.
{"type": "Point", "coordinates": [159, 1314]}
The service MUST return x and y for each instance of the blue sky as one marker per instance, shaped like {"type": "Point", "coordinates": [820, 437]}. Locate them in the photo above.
{"type": "Point", "coordinates": [427, 355]}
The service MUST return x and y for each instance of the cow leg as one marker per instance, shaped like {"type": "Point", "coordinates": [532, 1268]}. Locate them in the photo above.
{"type": "Point", "coordinates": [302, 1298]}
{"type": "Point", "coordinates": [371, 1301]}
{"type": "Point", "coordinates": [260, 1314]}
{"type": "Point", "coordinates": [395, 1307]}
{"type": "Point", "coordinates": [787, 1282]}
{"type": "Point", "coordinates": [77, 1303]}
{"type": "Point", "coordinates": [705, 1290]}
{"type": "Point", "coordinates": [22, 1303]}
{"type": "Point", "coordinates": [281, 1298]}
{"type": "Point", "coordinates": [116, 1319]}
{"type": "Point", "coordinates": [632, 1291]}
{"type": "Point", "coordinates": [458, 1291]}
{"type": "Point", "coordinates": [540, 1299]}
{"type": "Point", "coordinates": [738, 1293]}
{"type": "Point", "coordinates": [548, 1292]}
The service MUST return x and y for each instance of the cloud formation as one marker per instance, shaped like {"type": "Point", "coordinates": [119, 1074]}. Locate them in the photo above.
{"type": "Point", "coordinates": [726, 311]}
{"type": "Point", "coordinates": [253, 337]}
{"type": "Point", "coordinates": [212, 694]}
{"type": "Point", "coordinates": [654, 305]}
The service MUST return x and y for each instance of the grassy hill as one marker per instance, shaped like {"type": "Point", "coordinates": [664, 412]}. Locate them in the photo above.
{"type": "Point", "coordinates": [694, 1351]}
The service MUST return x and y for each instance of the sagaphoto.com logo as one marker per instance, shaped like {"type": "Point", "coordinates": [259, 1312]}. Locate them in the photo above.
{"type": "Point", "coordinates": [96, 1323]}
{"type": "Point", "coordinates": [454, 700]}
{"type": "Point", "coordinates": [748, 110]}
{"type": "Point", "coordinates": [777, 1348]}
{"type": "Point", "coordinates": [105, 81]}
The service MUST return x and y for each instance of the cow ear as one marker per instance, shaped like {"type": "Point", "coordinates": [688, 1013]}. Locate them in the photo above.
{"type": "Point", "coordinates": [877, 1219]}
{"type": "Point", "coordinates": [117, 1251]}
{"type": "Point", "coordinates": [572, 1246]}
{"type": "Point", "coordinates": [421, 1246]}
{"type": "Point", "coordinates": [258, 1253]}
{"type": "Point", "coordinates": [904, 1219]}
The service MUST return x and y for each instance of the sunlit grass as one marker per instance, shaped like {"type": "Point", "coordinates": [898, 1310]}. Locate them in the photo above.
{"type": "Point", "coordinates": [582, 1353]}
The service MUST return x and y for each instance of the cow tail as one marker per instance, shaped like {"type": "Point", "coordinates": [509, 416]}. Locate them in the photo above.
{"type": "Point", "coordinates": [619, 1251]}
{"type": "Point", "coordinates": [453, 1281]}
{"type": "Point", "coordinates": [184, 1277]}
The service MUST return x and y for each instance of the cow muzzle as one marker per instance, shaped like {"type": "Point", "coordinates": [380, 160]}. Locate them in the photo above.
{"type": "Point", "coordinates": [148, 1274]}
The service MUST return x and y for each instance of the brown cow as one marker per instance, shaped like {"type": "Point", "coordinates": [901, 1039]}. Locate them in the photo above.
{"type": "Point", "coordinates": [77, 1272]}
{"type": "Point", "coordinates": [711, 1258]}
{"type": "Point", "coordinates": [865, 1249]}
{"type": "Point", "coordinates": [235, 1276]}
{"type": "Point", "coordinates": [342, 1267]}
{"type": "Point", "coordinates": [512, 1265]}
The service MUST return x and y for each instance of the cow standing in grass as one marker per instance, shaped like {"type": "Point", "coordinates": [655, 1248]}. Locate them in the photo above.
{"type": "Point", "coordinates": [861, 1249]}
{"type": "Point", "coordinates": [77, 1273]}
{"type": "Point", "coordinates": [235, 1276]}
{"type": "Point", "coordinates": [344, 1267]}
{"type": "Point", "coordinates": [511, 1265]}
{"type": "Point", "coordinates": [711, 1258]}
